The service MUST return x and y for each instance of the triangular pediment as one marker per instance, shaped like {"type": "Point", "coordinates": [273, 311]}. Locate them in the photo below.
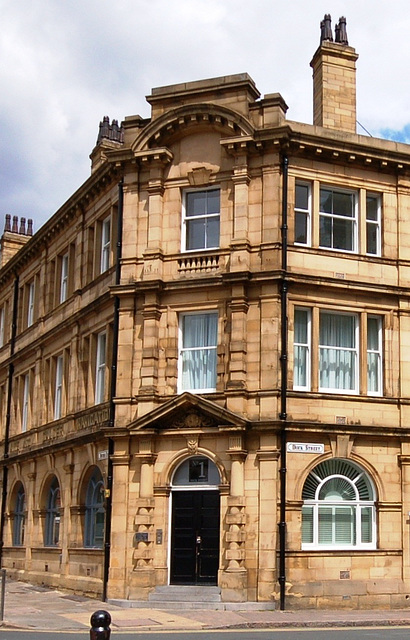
{"type": "Point", "coordinates": [188, 411]}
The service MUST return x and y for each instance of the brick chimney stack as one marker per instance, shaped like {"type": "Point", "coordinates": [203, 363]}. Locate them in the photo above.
{"type": "Point", "coordinates": [334, 79]}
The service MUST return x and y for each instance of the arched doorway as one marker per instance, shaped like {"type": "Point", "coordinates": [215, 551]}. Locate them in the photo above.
{"type": "Point", "coordinates": [195, 528]}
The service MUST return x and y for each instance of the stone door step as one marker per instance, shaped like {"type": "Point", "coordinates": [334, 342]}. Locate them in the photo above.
{"type": "Point", "coordinates": [176, 593]}
{"type": "Point", "coordinates": [190, 597]}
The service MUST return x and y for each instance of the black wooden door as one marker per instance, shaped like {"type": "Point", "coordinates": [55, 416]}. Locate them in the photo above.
{"type": "Point", "coordinates": [195, 537]}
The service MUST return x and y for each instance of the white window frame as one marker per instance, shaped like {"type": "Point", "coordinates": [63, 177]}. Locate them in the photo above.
{"type": "Point", "coordinates": [307, 346]}
{"type": "Point", "coordinates": [184, 350]}
{"type": "Point", "coordinates": [376, 224]}
{"type": "Point", "coordinates": [354, 350]}
{"type": "Point", "coordinates": [334, 216]}
{"type": "Point", "coordinates": [2, 320]}
{"type": "Point", "coordinates": [357, 505]}
{"type": "Point", "coordinates": [64, 278]}
{"type": "Point", "coordinates": [207, 216]}
{"type": "Point", "coordinates": [307, 213]}
{"type": "Point", "coordinates": [376, 353]}
{"type": "Point", "coordinates": [30, 303]}
{"type": "Point", "coordinates": [26, 403]}
{"type": "Point", "coordinates": [105, 244]}
{"type": "Point", "coordinates": [58, 392]}
{"type": "Point", "coordinates": [100, 367]}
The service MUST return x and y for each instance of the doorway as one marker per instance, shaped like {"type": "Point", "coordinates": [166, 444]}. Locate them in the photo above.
{"type": "Point", "coordinates": [195, 537]}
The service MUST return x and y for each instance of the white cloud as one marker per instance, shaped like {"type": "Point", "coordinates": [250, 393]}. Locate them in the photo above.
{"type": "Point", "coordinates": [70, 63]}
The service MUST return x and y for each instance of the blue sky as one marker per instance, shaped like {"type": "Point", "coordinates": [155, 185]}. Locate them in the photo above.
{"type": "Point", "coordinates": [68, 63]}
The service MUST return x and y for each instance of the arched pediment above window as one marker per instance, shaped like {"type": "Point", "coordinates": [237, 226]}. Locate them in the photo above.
{"type": "Point", "coordinates": [189, 118]}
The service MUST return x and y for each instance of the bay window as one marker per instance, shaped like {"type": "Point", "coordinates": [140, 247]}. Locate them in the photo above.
{"type": "Point", "coordinates": [342, 359]}
{"type": "Point", "coordinates": [374, 355]}
{"type": "Point", "coordinates": [198, 345]}
{"type": "Point", "coordinates": [337, 220]}
{"type": "Point", "coordinates": [301, 370]}
{"type": "Point", "coordinates": [373, 224]}
{"type": "Point", "coordinates": [302, 213]}
{"type": "Point", "coordinates": [331, 217]}
{"type": "Point", "coordinates": [338, 355]}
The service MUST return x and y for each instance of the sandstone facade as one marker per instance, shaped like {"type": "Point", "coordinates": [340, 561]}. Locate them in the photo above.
{"type": "Point", "coordinates": [204, 362]}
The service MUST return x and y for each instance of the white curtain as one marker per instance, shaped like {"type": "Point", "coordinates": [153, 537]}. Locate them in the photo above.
{"type": "Point", "coordinates": [337, 351]}
{"type": "Point", "coordinates": [199, 340]}
{"type": "Point", "coordinates": [301, 349]}
{"type": "Point", "coordinates": [373, 355]}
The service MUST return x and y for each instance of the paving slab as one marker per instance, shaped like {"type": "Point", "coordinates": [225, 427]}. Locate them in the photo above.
{"type": "Point", "coordinates": [29, 606]}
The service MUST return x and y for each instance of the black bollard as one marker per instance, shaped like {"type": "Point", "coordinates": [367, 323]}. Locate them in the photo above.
{"type": "Point", "coordinates": [100, 625]}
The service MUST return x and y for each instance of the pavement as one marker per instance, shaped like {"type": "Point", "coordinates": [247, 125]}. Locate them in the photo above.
{"type": "Point", "coordinates": [29, 607]}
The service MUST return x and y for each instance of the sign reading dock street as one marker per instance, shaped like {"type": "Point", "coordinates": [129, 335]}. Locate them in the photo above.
{"type": "Point", "coordinates": [305, 447]}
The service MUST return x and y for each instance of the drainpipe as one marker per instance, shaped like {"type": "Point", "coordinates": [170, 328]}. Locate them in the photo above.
{"type": "Point", "coordinates": [113, 389]}
{"type": "Point", "coordinates": [283, 391]}
{"type": "Point", "coordinates": [8, 417]}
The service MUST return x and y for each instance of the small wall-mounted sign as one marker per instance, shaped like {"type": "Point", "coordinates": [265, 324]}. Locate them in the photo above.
{"type": "Point", "coordinates": [141, 536]}
{"type": "Point", "coordinates": [103, 455]}
{"type": "Point", "coordinates": [158, 536]}
{"type": "Point", "coordinates": [305, 447]}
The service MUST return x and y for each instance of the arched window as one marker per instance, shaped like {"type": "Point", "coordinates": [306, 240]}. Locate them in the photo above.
{"type": "Point", "coordinates": [94, 511]}
{"type": "Point", "coordinates": [338, 507]}
{"type": "Point", "coordinates": [52, 528]}
{"type": "Point", "coordinates": [19, 517]}
{"type": "Point", "coordinates": [196, 472]}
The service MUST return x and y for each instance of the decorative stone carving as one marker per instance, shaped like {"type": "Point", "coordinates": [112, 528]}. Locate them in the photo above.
{"type": "Point", "coordinates": [192, 444]}
{"type": "Point", "coordinates": [193, 419]}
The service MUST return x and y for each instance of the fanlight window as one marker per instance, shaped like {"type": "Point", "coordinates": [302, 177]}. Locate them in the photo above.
{"type": "Point", "coordinates": [338, 507]}
{"type": "Point", "coordinates": [196, 472]}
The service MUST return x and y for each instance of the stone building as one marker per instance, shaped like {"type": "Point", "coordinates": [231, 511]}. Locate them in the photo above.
{"type": "Point", "coordinates": [205, 356]}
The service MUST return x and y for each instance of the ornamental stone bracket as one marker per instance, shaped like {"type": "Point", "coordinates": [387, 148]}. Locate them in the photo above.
{"type": "Point", "coordinates": [143, 555]}
{"type": "Point", "coordinates": [235, 536]}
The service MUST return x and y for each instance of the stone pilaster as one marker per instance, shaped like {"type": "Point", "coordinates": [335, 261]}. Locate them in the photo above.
{"type": "Point", "coordinates": [240, 254]}
{"type": "Point", "coordinates": [120, 536]}
{"type": "Point", "coordinates": [144, 534]}
{"type": "Point", "coordinates": [150, 353]}
{"type": "Point", "coordinates": [237, 346]}
{"type": "Point", "coordinates": [268, 491]}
